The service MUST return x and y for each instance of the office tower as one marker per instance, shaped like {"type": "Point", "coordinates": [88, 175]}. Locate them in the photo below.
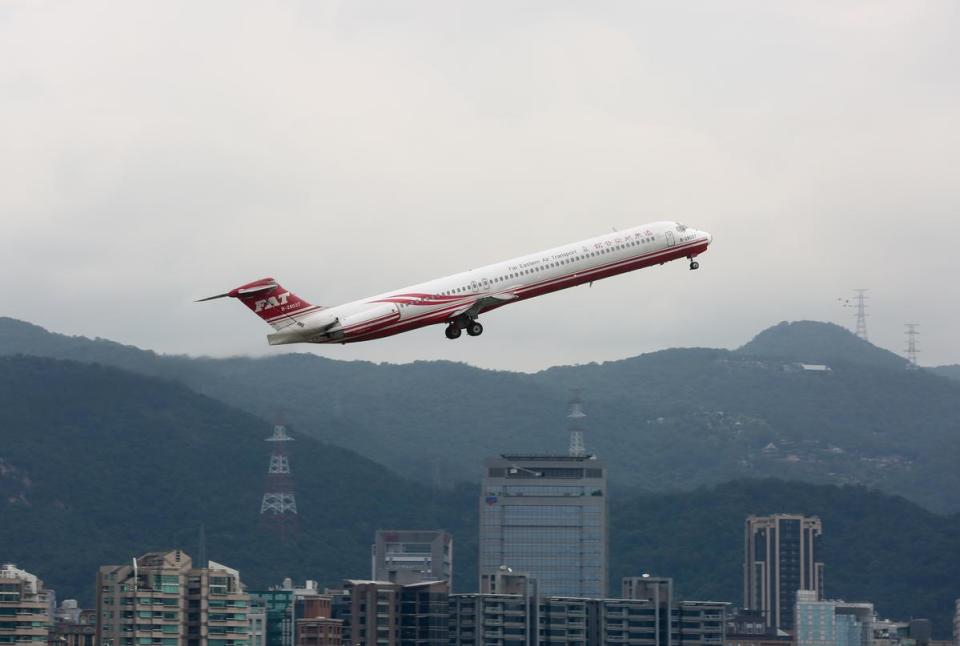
{"type": "Point", "coordinates": [382, 613]}
{"type": "Point", "coordinates": [546, 516]}
{"type": "Point", "coordinates": [781, 555]}
{"type": "Point", "coordinates": [831, 623]}
{"type": "Point", "coordinates": [412, 556]}
{"type": "Point", "coordinates": [279, 607]}
{"type": "Point", "coordinates": [24, 607]}
{"type": "Point", "coordinates": [161, 599]}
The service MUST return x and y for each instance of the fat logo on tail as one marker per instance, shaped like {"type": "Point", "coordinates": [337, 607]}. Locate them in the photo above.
{"type": "Point", "coordinates": [267, 299]}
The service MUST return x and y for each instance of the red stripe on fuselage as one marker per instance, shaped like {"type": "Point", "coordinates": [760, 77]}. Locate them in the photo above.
{"type": "Point", "coordinates": [537, 289]}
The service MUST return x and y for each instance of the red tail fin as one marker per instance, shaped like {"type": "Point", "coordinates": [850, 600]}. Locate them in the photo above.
{"type": "Point", "coordinates": [271, 302]}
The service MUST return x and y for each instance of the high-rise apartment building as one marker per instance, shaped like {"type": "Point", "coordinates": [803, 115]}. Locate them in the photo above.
{"type": "Point", "coordinates": [24, 608]}
{"type": "Point", "coordinates": [382, 613]}
{"type": "Point", "coordinates": [517, 617]}
{"type": "Point", "coordinates": [160, 599]}
{"type": "Point", "coordinates": [412, 556]}
{"type": "Point", "coordinates": [546, 516]}
{"type": "Point", "coordinates": [781, 556]}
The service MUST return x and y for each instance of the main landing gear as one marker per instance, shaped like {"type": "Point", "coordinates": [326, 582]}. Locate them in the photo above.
{"type": "Point", "coordinates": [693, 263]}
{"type": "Point", "coordinates": [472, 327]}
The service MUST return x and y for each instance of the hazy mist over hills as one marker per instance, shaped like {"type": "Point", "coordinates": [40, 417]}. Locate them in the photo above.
{"type": "Point", "coordinates": [667, 420]}
{"type": "Point", "coordinates": [97, 464]}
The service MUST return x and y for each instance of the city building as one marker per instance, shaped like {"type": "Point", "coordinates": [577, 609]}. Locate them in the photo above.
{"type": "Point", "coordinates": [257, 620]}
{"type": "Point", "coordinates": [699, 623]}
{"type": "Point", "coordinates": [412, 556]}
{"type": "Point", "coordinates": [73, 625]}
{"type": "Point", "coordinates": [956, 624]}
{"type": "Point", "coordinates": [521, 619]}
{"type": "Point", "coordinates": [162, 600]}
{"type": "Point", "coordinates": [748, 628]}
{"type": "Point", "coordinates": [491, 620]}
{"type": "Point", "coordinates": [24, 608]}
{"type": "Point", "coordinates": [319, 631]}
{"type": "Point", "coordinates": [384, 613]}
{"type": "Point", "coordinates": [278, 606]}
{"type": "Point", "coordinates": [546, 516]}
{"type": "Point", "coordinates": [781, 555]}
{"type": "Point", "coordinates": [820, 622]}
{"type": "Point", "coordinates": [315, 626]}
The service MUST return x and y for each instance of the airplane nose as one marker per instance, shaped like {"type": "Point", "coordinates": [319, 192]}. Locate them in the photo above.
{"type": "Point", "coordinates": [709, 237]}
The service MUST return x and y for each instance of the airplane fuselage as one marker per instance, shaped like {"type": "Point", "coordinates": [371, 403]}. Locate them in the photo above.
{"type": "Point", "coordinates": [458, 299]}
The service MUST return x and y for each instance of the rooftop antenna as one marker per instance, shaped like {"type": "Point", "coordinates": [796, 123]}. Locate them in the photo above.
{"type": "Point", "coordinates": [576, 416]}
{"type": "Point", "coordinates": [912, 333]}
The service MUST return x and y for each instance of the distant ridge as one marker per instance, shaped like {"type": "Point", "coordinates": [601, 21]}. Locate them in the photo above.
{"type": "Point", "coordinates": [818, 343]}
{"type": "Point", "coordinates": [669, 420]}
{"type": "Point", "coordinates": [951, 371]}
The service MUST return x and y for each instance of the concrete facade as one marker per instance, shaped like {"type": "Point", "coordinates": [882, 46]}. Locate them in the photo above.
{"type": "Point", "coordinates": [24, 608]}
{"type": "Point", "coordinates": [412, 556]}
{"type": "Point", "coordinates": [163, 600]}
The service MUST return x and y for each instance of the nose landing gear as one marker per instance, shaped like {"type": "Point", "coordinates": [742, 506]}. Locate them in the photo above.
{"type": "Point", "coordinates": [693, 263]}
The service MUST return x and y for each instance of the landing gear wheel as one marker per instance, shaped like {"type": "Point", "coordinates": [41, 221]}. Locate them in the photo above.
{"type": "Point", "coordinates": [452, 331]}
{"type": "Point", "coordinates": [474, 328]}
{"type": "Point", "coordinates": [694, 265]}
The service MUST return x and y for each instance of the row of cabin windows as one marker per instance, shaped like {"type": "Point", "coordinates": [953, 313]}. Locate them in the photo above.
{"type": "Point", "coordinates": [550, 265]}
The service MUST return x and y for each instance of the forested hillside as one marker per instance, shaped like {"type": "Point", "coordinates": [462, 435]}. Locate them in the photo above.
{"type": "Point", "coordinates": [97, 465]}
{"type": "Point", "coordinates": [876, 547]}
{"type": "Point", "coordinates": [668, 420]}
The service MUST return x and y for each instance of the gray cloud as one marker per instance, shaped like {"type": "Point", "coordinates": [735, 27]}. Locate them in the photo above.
{"type": "Point", "coordinates": [153, 153]}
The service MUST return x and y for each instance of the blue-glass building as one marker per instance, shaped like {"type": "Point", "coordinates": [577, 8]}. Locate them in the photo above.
{"type": "Point", "coordinates": [546, 516]}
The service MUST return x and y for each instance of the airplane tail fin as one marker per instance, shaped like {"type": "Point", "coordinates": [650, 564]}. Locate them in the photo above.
{"type": "Point", "coordinates": [267, 299]}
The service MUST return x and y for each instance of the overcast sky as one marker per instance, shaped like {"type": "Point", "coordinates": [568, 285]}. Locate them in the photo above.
{"type": "Point", "coordinates": [152, 153]}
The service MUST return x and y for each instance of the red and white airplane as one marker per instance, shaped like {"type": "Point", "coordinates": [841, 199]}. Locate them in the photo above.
{"type": "Point", "coordinates": [458, 300]}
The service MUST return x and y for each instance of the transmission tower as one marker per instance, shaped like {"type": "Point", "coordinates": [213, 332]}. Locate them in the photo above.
{"type": "Point", "coordinates": [861, 304]}
{"type": "Point", "coordinates": [278, 509]}
{"type": "Point", "coordinates": [576, 416]}
{"type": "Point", "coordinates": [912, 333]}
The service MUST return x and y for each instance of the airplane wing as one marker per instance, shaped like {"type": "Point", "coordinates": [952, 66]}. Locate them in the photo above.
{"type": "Point", "coordinates": [474, 308]}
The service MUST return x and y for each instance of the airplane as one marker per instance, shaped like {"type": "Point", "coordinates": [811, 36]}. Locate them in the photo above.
{"type": "Point", "coordinates": [460, 299]}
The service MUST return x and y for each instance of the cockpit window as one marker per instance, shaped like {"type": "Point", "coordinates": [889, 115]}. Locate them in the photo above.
{"type": "Point", "coordinates": [681, 227]}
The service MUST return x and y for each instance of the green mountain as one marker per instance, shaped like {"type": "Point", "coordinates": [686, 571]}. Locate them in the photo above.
{"type": "Point", "coordinates": [819, 343]}
{"type": "Point", "coordinates": [876, 547]}
{"type": "Point", "coordinates": [669, 420]}
{"type": "Point", "coordinates": [98, 465]}
{"type": "Point", "coordinates": [951, 372]}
